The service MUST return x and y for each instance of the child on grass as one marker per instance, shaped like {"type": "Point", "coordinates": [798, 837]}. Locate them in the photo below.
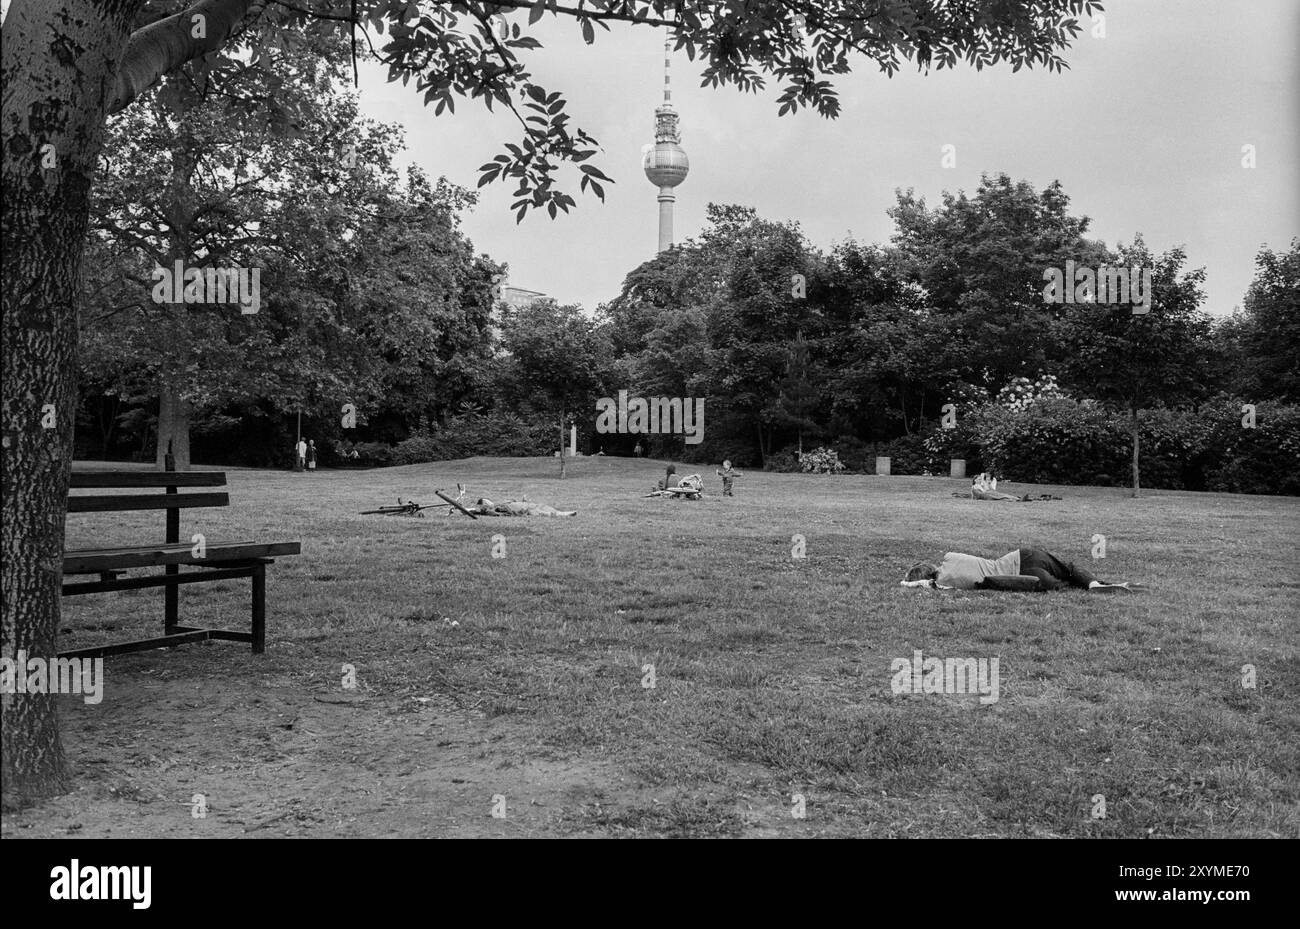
{"type": "Point", "coordinates": [727, 475]}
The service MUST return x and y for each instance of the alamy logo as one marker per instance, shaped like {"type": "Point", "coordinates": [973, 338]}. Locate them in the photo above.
{"type": "Point", "coordinates": [103, 882]}
{"type": "Point", "coordinates": [23, 675]}
{"type": "Point", "coordinates": [656, 416]}
{"type": "Point", "coordinates": [1103, 285]}
{"type": "Point", "coordinates": [953, 676]}
{"type": "Point", "coordinates": [209, 285]}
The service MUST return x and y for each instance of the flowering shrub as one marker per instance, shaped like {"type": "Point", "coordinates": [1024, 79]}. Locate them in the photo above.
{"type": "Point", "coordinates": [1022, 393]}
{"type": "Point", "coordinates": [961, 441]}
{"type": "Point", "coordinates": [821, 460]}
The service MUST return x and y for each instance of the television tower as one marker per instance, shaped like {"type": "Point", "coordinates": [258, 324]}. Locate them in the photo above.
{"type": "Point", "coordinates": [665, 162]}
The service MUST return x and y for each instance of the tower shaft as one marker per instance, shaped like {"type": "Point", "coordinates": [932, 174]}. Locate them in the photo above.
{"type": "Point", "coordinates": [666, 200]}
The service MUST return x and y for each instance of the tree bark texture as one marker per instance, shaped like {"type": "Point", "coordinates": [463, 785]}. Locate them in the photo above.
{"type": "Point", "coordinates": [59, 63]}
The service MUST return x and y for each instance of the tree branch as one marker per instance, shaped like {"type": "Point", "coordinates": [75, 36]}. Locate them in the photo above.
{"type": "Point", "coordinates": [167, 44]}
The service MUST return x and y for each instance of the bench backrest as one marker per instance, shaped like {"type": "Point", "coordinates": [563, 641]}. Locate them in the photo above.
{"type": "Point", "coordinates": [171, 500]}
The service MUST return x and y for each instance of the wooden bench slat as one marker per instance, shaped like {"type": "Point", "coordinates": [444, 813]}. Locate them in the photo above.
{"type": "Point", "coordinates": [95, 560]}
{"type": "Point", "coordinates": [116, 503]}
{"type": "Point", "coordinates": [148, 479]}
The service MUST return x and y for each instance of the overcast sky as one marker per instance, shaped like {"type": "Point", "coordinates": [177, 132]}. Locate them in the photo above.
{"type": "Point", "coordinates": [1144, 131]}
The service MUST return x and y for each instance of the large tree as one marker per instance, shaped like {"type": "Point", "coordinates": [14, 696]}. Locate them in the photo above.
{"type": "Point", "coordinates": [69, 64]}
{"type": "Point", "coordinates": [889, 355]}
{"type": "Point", "coordinates": [1262, 341]}
{"type": "Point", "coordinates": [199, 172]}
{"type": "Point", "coordinates": [981, 258]}
{"type": "Point", "coordinates": [1137, 360]}
{"type": "Point", "coordinates": [560, 357]}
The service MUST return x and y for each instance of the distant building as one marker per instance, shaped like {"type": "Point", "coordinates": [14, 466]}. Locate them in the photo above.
{"type": "Point", "coordinates": [519, 298]}
{"type": "Point", "coordinates": [516, 298]}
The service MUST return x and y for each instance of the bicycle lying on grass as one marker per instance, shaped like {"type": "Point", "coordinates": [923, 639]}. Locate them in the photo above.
{"type": "Point", "coordinates": [412, 508]}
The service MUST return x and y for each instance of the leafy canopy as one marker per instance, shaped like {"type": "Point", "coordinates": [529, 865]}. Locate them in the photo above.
{"type": "Point", "coordinates": [480, 51]}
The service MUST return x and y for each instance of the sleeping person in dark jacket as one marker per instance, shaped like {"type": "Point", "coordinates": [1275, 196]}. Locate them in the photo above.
{"type": "Point", "coordinates": [1024, 569]}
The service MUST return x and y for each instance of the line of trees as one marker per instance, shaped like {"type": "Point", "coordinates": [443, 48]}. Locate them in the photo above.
{"type": "Point", "coordinates": [875, 342]}
{"type": "Point", "coordinates": [864, 348]}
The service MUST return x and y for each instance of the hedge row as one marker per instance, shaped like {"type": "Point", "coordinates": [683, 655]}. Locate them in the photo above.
{"type": "Point", "coordinates": [1063, 441]}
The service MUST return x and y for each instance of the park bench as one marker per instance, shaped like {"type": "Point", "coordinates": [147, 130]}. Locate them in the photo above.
{"type": "Point", "coordinates": [221, 560]}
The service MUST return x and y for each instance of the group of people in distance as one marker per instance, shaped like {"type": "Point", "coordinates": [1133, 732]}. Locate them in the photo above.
{"type": "Point", "coordinates": [692, 482]}
{"type": "Point", "coordinates": [306, 454]}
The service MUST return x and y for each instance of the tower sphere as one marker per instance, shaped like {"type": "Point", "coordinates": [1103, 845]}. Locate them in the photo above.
{"type": "Point", "coordinates": [666, 164]}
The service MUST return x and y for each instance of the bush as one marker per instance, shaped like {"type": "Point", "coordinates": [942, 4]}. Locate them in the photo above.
{"type": "Point", "coordinates": [1062, 441]}
{"type": "Point", "coordinates": [786, 460]}
{"type": "Point", "coordinates": [854, 453]}
{"type": "Point", "coordinates": [1262, 460]}
{"type": "Point", "coordinates": [420, 446]}
{"type": "Point", "coordinates": [1051, 441]}
{"type": "Point", "coordinates": [373, 453]}
{"type": "Point", "coordinates": [1022, 393]}
{"type": "Point", "coordinates": [821, 461]}
{"type": "Point", "coordinates": [496, 434]}
{"type": "Point", "coordinates": [961, 441]}
{"type": "Point", "coordinates": [907, 455]}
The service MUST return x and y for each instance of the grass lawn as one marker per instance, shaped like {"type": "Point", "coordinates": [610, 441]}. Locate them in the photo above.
{"type": "Point", "coordinates": [523, 677]}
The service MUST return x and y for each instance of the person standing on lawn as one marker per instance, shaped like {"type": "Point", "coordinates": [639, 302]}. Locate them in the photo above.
{"type": "Point", "coordinates": [311, 454]}
{"type": "Point", "coordinates": [300, 454]}
{"type": "Point", "coordinates": [727, 475]}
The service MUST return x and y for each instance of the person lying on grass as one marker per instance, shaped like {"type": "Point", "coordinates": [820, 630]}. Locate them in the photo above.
{"type": "Point", "coordinates": [1025, 569]}
{"type": "Point", "coordinates": [485, 507]}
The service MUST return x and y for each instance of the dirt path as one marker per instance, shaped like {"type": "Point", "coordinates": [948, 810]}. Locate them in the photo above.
{"type": "Point", "coordinates": [272, 758]}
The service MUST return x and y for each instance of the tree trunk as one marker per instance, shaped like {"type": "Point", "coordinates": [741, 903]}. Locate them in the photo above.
{"type": "Point", "coordinates": [1134, 427]}
{"type": "Point", "coordinates": [174, 427]}
{"type": "Point", "coordinates": [59, 61]}
{"type": "Point", "coordinates": [561, 445]}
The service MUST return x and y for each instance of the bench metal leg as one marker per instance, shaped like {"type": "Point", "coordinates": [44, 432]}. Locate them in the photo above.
{"type": "Point", "coordinates": [259, 609]}
{"type": "Point", "coordinates": [171, 601]}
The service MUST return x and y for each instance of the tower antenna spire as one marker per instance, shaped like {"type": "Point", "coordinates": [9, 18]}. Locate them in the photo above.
{"type": "Point", "coordinates": [665, 161]}
{"type": "Point", "coordinates": [668, 88]}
